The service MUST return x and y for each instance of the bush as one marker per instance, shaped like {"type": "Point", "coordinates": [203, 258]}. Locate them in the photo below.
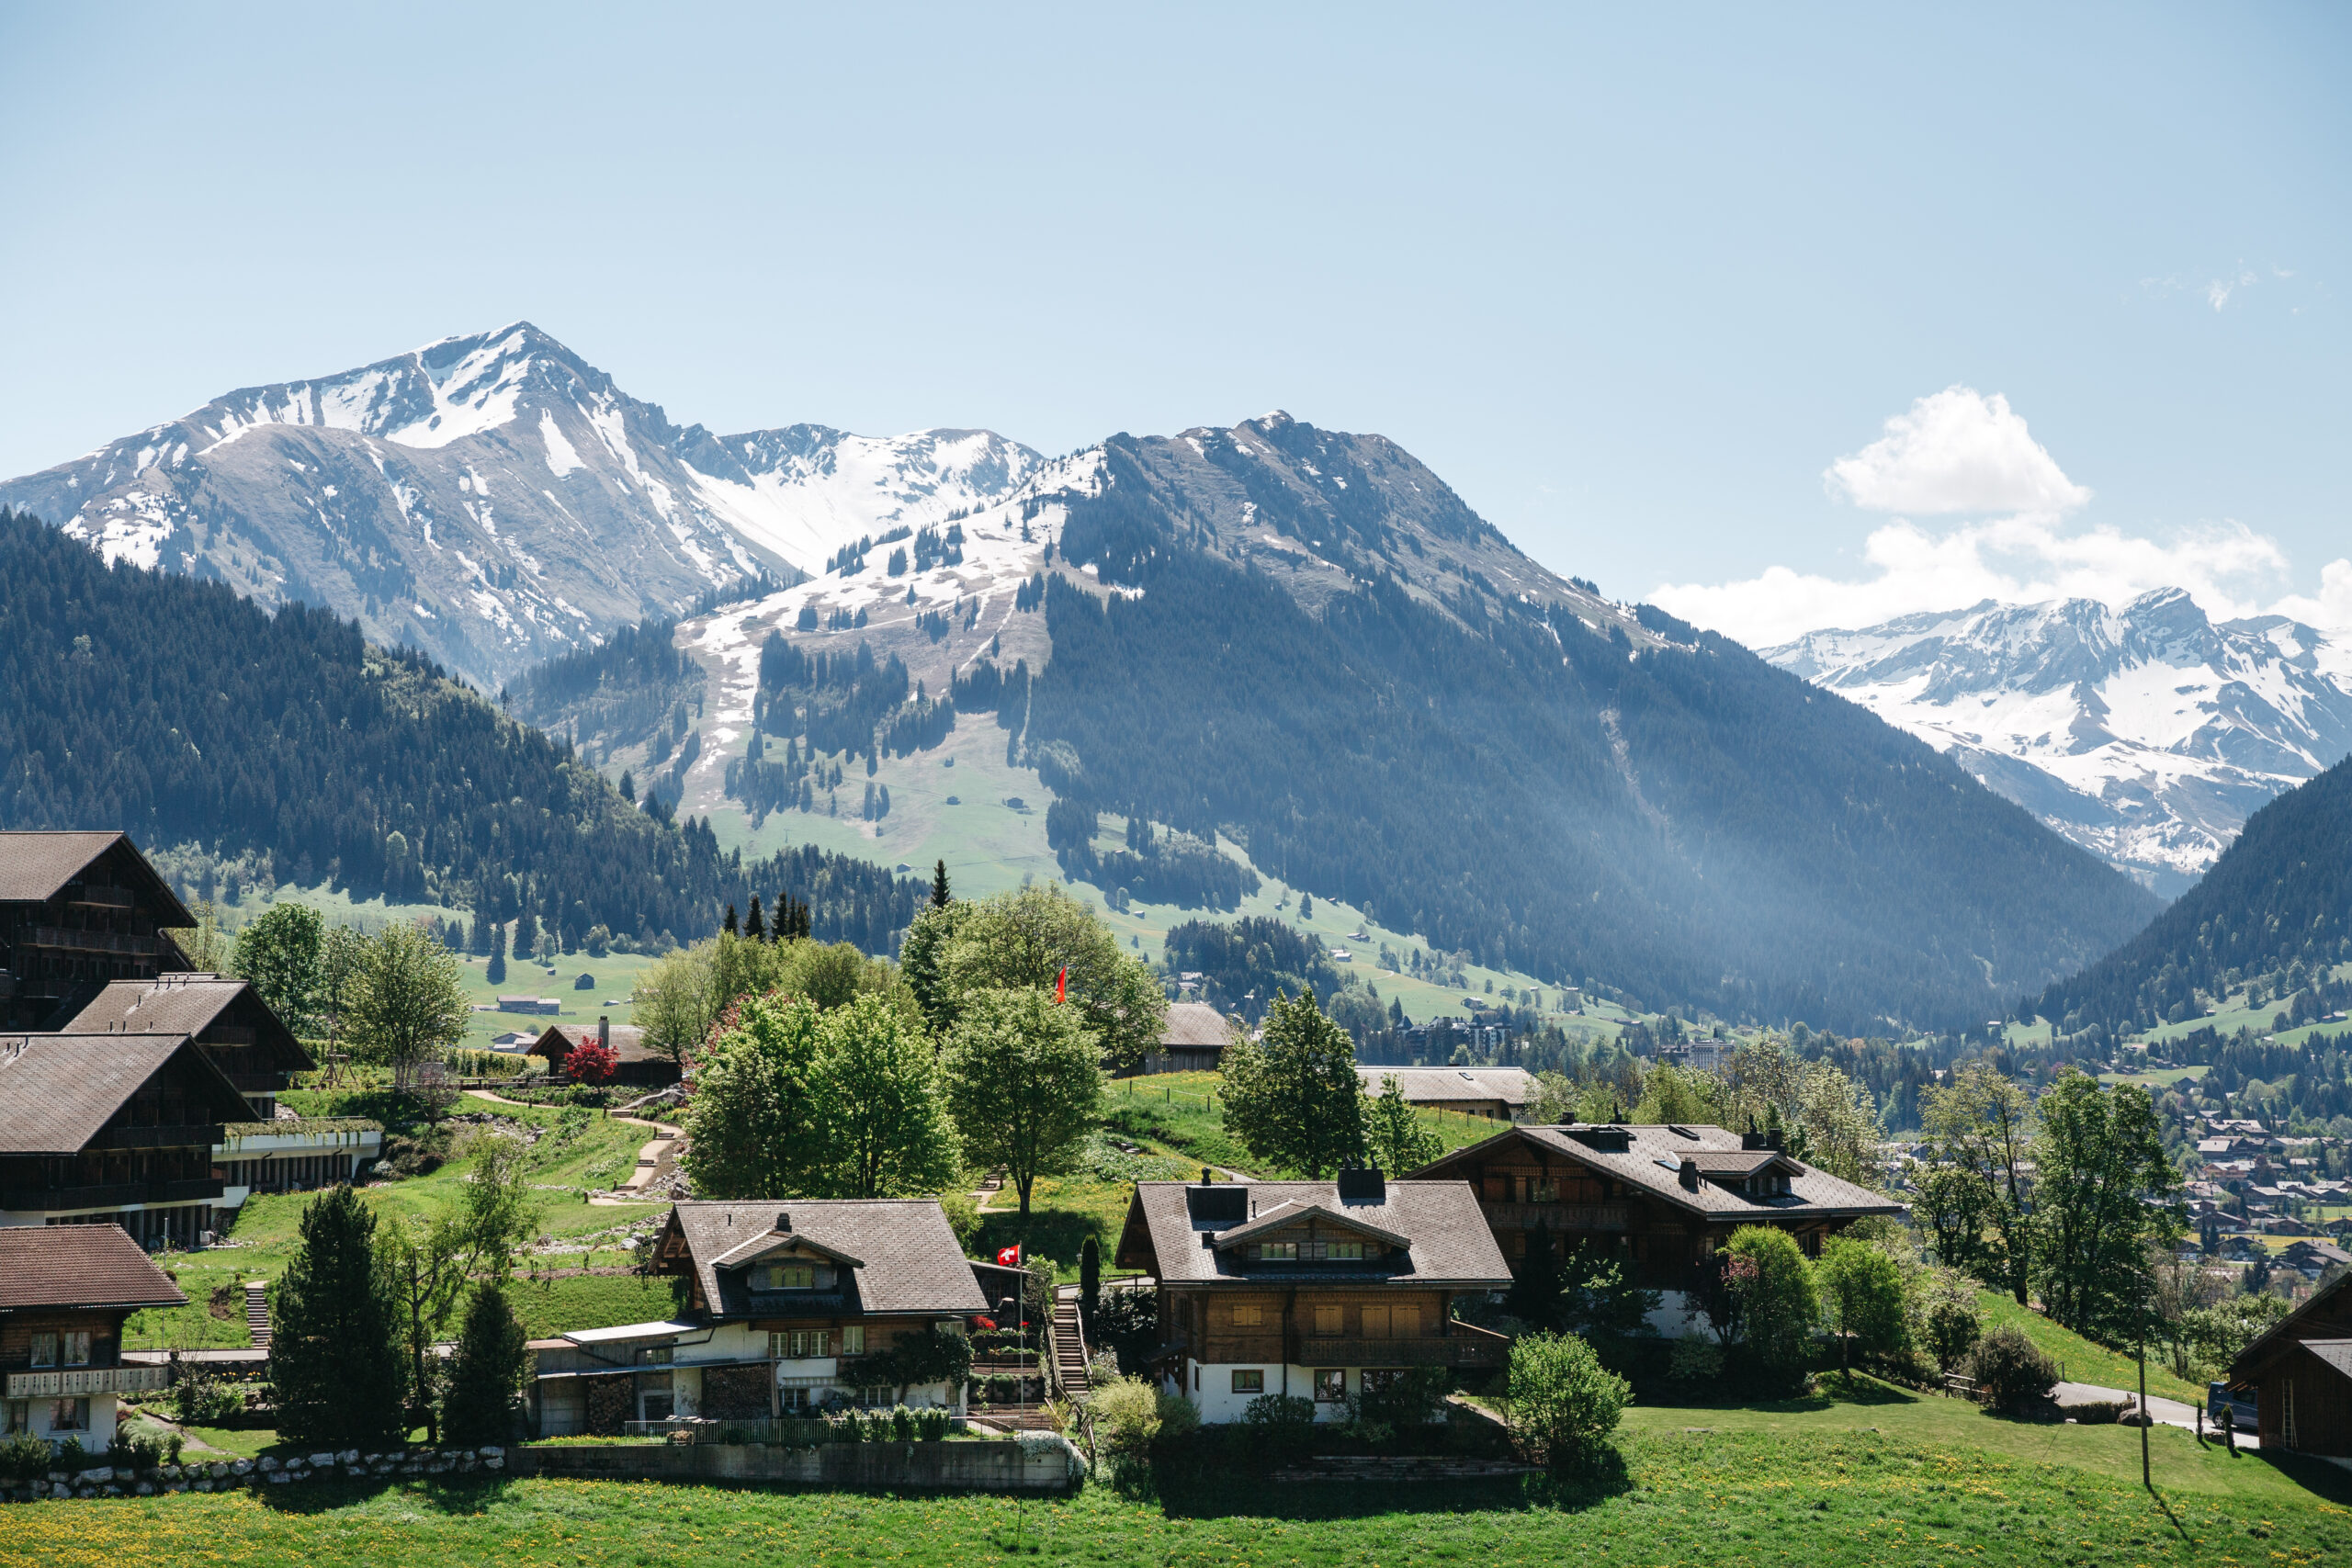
{"type": "Point", "coordinates": [963, 1216]}
{"type": "Point", "coordinates": [1862, 1289]}
{"type": "Point", "coordinates": [2011, 1372]}
{"type": "Point", "coordinates": [1769, 1288]}
{"type": "Point", "coordinates": [24, 1458]}
{"type": "Point", "coordinates": [931, 1425]}
{"type": "Point", "coordinates": [200, 1400]}
{"type": "Point", "coordinates": [1562, 1402]}
{"type": "Point", "coordinates": [1952, 1328]}
{"type": "Point", "coordinates": [1697, 1360]}
{"type": "Point", "coordinates": [2098, 1412]}
{"type": "Point", "coordinates": [1280, 1413]}
{"type": "Point", "coordinates": [1414, 1398]}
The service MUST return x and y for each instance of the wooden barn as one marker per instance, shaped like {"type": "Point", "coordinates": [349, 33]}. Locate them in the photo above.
{"type": "Point", "coordinates": [641, 1066]}
{"type": "Point", "coordinates": [2301, 1372]}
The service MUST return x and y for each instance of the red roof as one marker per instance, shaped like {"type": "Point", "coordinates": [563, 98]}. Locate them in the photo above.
{"type": "Point", "coordinates": [79, 1265]}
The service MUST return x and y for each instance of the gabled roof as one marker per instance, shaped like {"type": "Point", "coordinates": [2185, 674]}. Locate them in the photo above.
{"type": "Point", "coordinates": [1287, 1214]}
{"type": "Point", "coordinates": [65, 1267]}
{"type": "Point", "coordinates": [1193, 1026]}
{"type": "Point", "coordinates": [777, 1242]}
{"type": "Point", "coordinates": [1653, 1156]}
{"type": "Point", "coordinates": [1434, 1085]}
{"type": "Point", "coordinates": [627, 1041]}
{"type": "Point", "coordinates": [188, 1004]}
{"type": "Point", "coordinates": [34, 866]}
{"type": "Point", "coordinates": [58, 1091]}
{"type": "Point", "coordinates": [1439, 1223]}
{"type": "Point", "coordinates": [2320, 1316]}
{"type": "Point", "coordinates": [903, 1257]}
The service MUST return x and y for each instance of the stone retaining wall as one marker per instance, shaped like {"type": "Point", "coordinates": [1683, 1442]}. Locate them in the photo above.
{"type": "Point", "coordinates": [228, 1475]}
{"type": "Point", "coordinates": [1042, 1463]}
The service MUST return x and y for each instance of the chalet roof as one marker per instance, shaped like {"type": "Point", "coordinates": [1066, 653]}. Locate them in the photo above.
{"type": "Point", "coordinates": [1291, 1213]}
{"type": "Point", "coordinates": [1652, 1160]}
{"type": "Point", "coordinates": [35, 866]}
{"type": "Point", "coordinates": [2282, 1334]}
{"type": "Point", "coordinates": [905, 1257]}
{"type": "Point", "coordinates": [1436, 1085]}
{"type": "Point", "coordinates": [79, 1265]}
{"type": "Point", "coordinates": [58, 1091]}
{"type": "Point", "coordinates": [1193, 1026]}
{"type": "Point", "coordinates": [183, 1004]}
{"type": "Point", "coordinates": [1446, 1238]}
{"type": "Point", "coordinates": [627, 1041]}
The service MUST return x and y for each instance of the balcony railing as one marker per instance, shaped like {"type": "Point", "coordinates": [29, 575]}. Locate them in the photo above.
{"type": "Point", "coordinates": [113, 1195]}
{"type": "Point", "coordinates": [89, 942]}
{"type": "Point", "coordinates": [1465, 1347]}
{"type": "Point", "coordinates": [64, 1381]}
{"type": "Point", "coordinates": [103, 898]}
{"type": "Point", "coordinates": [175, 1135]}
{"type": "Point", "coordinates": [1557, 1217]}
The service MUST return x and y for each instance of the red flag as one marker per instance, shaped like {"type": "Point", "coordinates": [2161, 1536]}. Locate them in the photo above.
{"type": "Point", "coordinates": [1010, 1255]}
{"type": "Point", "coordinates": [1061, 985]}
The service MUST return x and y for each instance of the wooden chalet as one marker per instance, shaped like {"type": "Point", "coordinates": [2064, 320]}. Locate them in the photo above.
{"type": "Point", "coordinates": [1500, 1094]}
{"type": "Point", "coordinates": [1311, 1288]}
{"type": "Point", "coordinates": [2300, 1374]}
{"type": "Point", "coordinates": [78, 910]}
{"type": "Point", "coordinates": [1659, 1200]}
{"type": "Point", "coordinates": [64, 1293]}
{"type": "Point", "coordinates": [225, 1016]}
{"type": "Point", "coordinates": [1191, 1041]}
{"type": "Point", "coordinates": [113, 1130]}
{"type": "Point", "coordinates": [640, 1066]}
{"type": "Point", "coordinates": [783, 1306]}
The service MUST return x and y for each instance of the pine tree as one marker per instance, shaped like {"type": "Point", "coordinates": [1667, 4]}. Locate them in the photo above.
{"type": "Point", "coordinates": [628, 787]}
{"type": "Point", "coordinates": [939, 884]}
{"type": "Point", "coordinates": [496, 970]}
{"type": "Point", "coordinates": [486, 1373]}
{"type": "Point", "coordinates": [336, 1357]}
{"type": "Point", "coordinates": [729, 925]}
{"type": "Point", "coordinates": [526, 933]}
{"type": "Point", "coordinates": [757, 927]}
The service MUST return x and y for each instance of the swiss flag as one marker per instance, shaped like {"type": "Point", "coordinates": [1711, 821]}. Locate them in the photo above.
{"type": "Point", "coordinates": [1010, 1255]}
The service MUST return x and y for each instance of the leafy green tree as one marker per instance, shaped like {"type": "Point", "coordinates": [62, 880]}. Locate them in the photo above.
{"type": "Point", "coordinates": [426, 1266]}
{"type": "Point", "coordinates": [1025, 1082]}
{"type": "Point", "coordinates": [755, 1126]}
{"type": "Point", "coordinates": [1293, 1096]}
{"type": "Point", "coordinates": [1564, 1403]}
{"type": "Point", "coordinates": [342, 954]}
{"type": "Point", "coordinates": [1773, 1295]}
{"type": "Point", "coordinates": [1029, 939]}
{"type": "Point", "coordinates": [832, 974]}
{"type": "Point", "coordinates": [887, 1130]}
{"type": "Point", "coordinates": [278, 953]}
{"type": "Point", "coordinates": [409, 1004]}
{"type": "Point", "coordinates": [1596, 1296]}
{"type": "Point", "coordinates": [1980, 1125]}
{"type": "Point", "coordinates": [486, 1373]}
{"type": "Point", "coordinates": [1830, 1120]}
{"type": "Point", "coordinates": [336, 1359]}
{"type": "Point", "coordinates": [1861, 1295]}
{"type": "Point", "coordinates": [2105, 1198]}
{"type": "Point", "coordinates": [1392, 1133]}
{"type": "Point", "coordinates": [676, 1002]}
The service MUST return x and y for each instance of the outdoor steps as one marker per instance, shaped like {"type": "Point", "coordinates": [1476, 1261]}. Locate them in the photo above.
{"type": "Point", "coordinates": [257, 1314]}
{"type": "Point", "coordinates": [1015, 1417]}
{"type": "Point", "coordinates": [1069, 1350]}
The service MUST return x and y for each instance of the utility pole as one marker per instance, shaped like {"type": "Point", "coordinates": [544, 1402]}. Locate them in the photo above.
{"type": "Point", "coordinates": [2144, 1407]}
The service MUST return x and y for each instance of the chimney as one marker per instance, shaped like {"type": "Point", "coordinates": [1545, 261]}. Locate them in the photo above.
{"type": "Point", "coordinates": [1207, 1176]}
{"type": "Point", "coordinates": [1689, 1174]}
{"type": "Point", "coordinates": [605, 1033]}
{"type": "Point", "coordinates": [784, 1222]}
{"type": "Point", "coordinates": [1772, 1140]}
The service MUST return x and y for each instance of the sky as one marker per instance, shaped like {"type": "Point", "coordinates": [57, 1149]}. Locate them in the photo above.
{"type": "Point", "coordinates": [1780, 317]}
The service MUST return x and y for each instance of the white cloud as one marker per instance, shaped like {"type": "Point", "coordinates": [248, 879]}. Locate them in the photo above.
{"type": "Point", "coordinates": [2218, 290]}
{"type": "Point", "coordinates": [1956, 451]}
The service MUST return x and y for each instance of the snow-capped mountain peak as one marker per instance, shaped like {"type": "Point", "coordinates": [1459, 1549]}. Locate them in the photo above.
{"type": "Point", "coordinates": [2147, 733]}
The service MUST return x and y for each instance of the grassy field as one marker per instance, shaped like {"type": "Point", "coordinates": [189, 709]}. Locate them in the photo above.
{"type": "Point", "coordinates": [2081, 1360]}
{"type": "Point", "coordinates": [1883, 1477]}
{"type": "Point", "coordinates": [1181, 1113]}
{"type": "Point", "coordinates": [573, 1154]}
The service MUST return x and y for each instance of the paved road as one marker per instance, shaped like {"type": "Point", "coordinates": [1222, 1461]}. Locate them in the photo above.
{"type": "Point", "coordinates": [2166, 1412]}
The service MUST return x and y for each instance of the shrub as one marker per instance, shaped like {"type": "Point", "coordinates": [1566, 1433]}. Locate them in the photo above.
{"type": "Point", "coordinates": [1562, 1402]}
{"type": "Point", "coordinates": [2098, 1412]}
{"type": "Point", "coordinates": [200, 1400]}
{"type": "Point", "coordinates": [845, 1427]}
{"type": "Point", "coordinates": [1952, 1328]}
{"type": "Point", "coordinates": [1414, 1398]}
{"type": "Point", "coordinates": [1765, 1300]}
{"type": "Point", "coordinates": [1280, 1412]}
{"type": "Point", "coordinates": [963, 1216]}
{"type": "Point", "coordinates": [2011, 1372]}
{"type": "Point", "coordinates": [931, 1425]}
{"type": "Point", "coordinates": [1126, 1417]}
{"type": "Point", "coordinates": [24, 1458]}
{"type": "Point", "coordinates": [902, 1425]}
{"type": "Point", "coordinates": [1862, 1289]}
{"type": "Point", "coordinates": [1697, 1358]}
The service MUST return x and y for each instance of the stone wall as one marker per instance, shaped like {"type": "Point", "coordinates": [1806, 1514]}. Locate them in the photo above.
{"type": "Point", "coordinates": [1033, 1462]}
{"type": "Point", "coordinates": [231, 1475]}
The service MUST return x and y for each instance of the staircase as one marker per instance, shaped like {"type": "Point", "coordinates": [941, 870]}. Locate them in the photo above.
{"type": "Point", "coordinates": [1069, 1350]}
{"type": "Point", "coordinates": [257, 1313]}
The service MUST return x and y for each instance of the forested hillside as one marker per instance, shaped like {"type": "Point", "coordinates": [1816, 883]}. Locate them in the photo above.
{"type": "Point", "coordinates": [2277, 903]}
{"type": "Point", "coordinates": [1482, 767]}
{"type": "Point", "coordinates": [178, 711]}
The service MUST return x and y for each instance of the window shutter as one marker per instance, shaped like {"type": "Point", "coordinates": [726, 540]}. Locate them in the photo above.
{"type": "Point", "coordinates": [1327, 1320]}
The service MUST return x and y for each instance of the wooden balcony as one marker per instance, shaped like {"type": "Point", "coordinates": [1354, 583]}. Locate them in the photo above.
{"type": "Point", "coordinates": [88, 941]}
{"type": "Point", "coordinates": [1464, 1346]}
{"type": "Point", "coordinates": [1557, 1217]}
{"type": "Point", "coordinates": [112, 1195]}
{"type": "Point", "coordinates": [62, 1382]}
{"type": "Point", "coordinates": [102, 898]}
{"type": "Point", "coordinates": [177, 1136]}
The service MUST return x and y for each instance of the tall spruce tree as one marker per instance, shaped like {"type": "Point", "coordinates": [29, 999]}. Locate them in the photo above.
{"type": "Point", "coordinates": [486, 1373]}
{"type": "Point", "coordinates": [939, 884]}
{"type": "Point", "coordinates": [757, 927]}
{"type": "Point", "coordinates": [334, 1354]}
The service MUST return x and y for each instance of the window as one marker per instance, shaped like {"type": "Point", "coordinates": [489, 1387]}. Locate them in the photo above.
{"type": "Point", "coordinates": [853, 1340]}
{"type": "Point", "coordinates": [16, 1415]}
{"type": "Point", "coordinates": [654, 1355]}
{"type": "Point", "coordinates": [1252, 1381]}
{"type": "Point", "coordinates": [76, 1346]}
{"type": "Point", "coordinates": [657, 1404]}
{"type": "Point", "coordinates": [789, 1276]}
{"type": "Point", "coordinates": [69, 1415]}
{"type": "Point", "coordinates": [1330, 1385]}
{"type": "Point", "coordinates": [1275, 1251]}
{"type": "Point", "coordinates": [1371, 1380]}
{"type": "Point", "coordinates": [1248, 1315]}
{"type": "Point", "coordinates": [1329, 1320]}
{"type": "Point", "coordinates": [1543, 1189]}
{"type": "Point", "coordinates": [44, 1349]}
{"type": "Point", "coordinates": [1376, 1323]}
{"type": "Point", "coordinates": [821, 1342]}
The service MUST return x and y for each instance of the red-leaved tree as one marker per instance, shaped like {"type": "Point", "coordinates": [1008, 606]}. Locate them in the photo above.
{"type": "Point", "coordinates": [591, 1063]}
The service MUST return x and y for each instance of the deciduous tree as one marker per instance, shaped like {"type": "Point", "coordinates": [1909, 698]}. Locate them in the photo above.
{"type": "Point", "coordinates": [1025, 1082]}
{"type": "Point", "coordinates": [755, 1128]}
{"type": "Point", "coordinates": [878, 1080]}
{"type": "Point", "coordinates": [2104, 1194]}
{"type": "Point", "coordinates": [1030, 940]}
{"type": "Point", "coordinates": [1392, 1133]}
{"type": "Point", "coordinates": [1981, 1125]}
{"type": "Point", "coordinates": [278, 954]}
{"type": "Point", "coordinates": [408, 1003]}
{"type": "Point", "coordinates": [1293, 1096]}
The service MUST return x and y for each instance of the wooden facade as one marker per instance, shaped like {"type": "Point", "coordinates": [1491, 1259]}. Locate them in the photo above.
{"type": "Point", "coordinates": [78, 910]}
{"type": "Point", "coordinates": [61, 1310]}
{"type": "Point", "coordinates": [2300, 1374]}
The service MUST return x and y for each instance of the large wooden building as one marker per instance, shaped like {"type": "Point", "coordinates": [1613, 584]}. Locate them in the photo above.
{"type": "Point", "coordinates": [78, 910]}
{"type": "Point", "coordinates": [1311, 1288]}
{"type": "Point", "coordinates": [64, 1296]}
{"type": "Point", "coordinates": [636, 1064]}
{"type": "Point", "coordinates": [224, 1016]}
{"type": "Point", "coordinates": [2300, 1373]}
{"type": "Point", "coordinates": [1658, 1200]}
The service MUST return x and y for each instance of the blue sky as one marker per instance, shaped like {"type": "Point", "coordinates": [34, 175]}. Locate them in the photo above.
{"type": "Point", "coordinates": [1630, 280]}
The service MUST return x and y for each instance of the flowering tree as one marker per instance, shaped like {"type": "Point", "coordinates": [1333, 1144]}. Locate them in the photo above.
{"type": "Point", "coordinates": [592, 1063]}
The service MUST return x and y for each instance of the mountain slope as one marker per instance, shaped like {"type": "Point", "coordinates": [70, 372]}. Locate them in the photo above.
{"type": "Point", "coordinates": [1305, 642]}
{"type": "Point", "coordinates": [2147, 734]}
{"type": "Point", "coordinates": [494, 500]}
{"type": "Point", "coordinates": [277, 748]}
{"type": "Point", "coordinates": [2277, 902]}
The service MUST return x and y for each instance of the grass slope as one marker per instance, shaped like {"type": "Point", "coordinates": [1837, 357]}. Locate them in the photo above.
{"type": "Point", "coordinates": [1181, 1112]}
{"type": "Point", "coordinates": [2081, 1360]}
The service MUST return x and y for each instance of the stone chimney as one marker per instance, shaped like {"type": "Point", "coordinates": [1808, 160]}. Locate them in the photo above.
{"type": "Point", "coordinates": [605, 1033]}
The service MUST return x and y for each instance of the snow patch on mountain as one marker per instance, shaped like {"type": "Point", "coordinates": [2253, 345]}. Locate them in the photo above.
{"type": "Point", "coordinates": [2145, 733]}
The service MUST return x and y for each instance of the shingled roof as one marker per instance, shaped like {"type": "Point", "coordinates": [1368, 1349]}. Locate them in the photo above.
{"type": "Point", "coordinates": [907, 1259]}
{"type": "Point", "coordinates": [1446, 1236]}
{"type": "Point", "coordinates": [1652, 1160]}
{"type": "Point", "coordinates": [1193, 1026]}
{"type": "Point", "coordinates": [183, 1004]}
{"type": "Point", "coordinates": [58, 1091]}
{"type": "Point", "coordinates": [35, 865]}
{"type": "Point", "coordinates": [1438, 1085]}
{"type": "Point", "coordinates": [79, 1265]}
{"type": "Point", "coordinates": [628, 1042]}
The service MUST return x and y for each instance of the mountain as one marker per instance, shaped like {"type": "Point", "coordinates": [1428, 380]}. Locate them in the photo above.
{"type": "Point", "coordinates": [2147, 734]}
{"type": "Point", "coordinates": [246, 748]}
{"type": "Point", "coordinates": [1301, 647]}
{"type": "Point", "coordinates": [494, 500]}
{"type": "Point", "coordinates": [2277, 905]}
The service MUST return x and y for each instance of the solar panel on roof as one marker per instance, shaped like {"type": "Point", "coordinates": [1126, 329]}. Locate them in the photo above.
{"type": "Point", "coordinates": [1223, 1203]}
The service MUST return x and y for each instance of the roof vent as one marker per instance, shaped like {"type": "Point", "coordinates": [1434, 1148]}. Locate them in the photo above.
{"type": "Point", "coordinates": [1607, 1140]}
{"type": "Point", "coordinates": [1363, 1187]}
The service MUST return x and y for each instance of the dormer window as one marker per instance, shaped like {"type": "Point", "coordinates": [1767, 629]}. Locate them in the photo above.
{"type": "Point", "coordinates": [787, 1276]}
{"type": "Point", "coordinates": [1307, 1251]}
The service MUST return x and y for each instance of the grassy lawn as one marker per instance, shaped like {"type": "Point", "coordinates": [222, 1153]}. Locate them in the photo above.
{"type": "Point", "coordinates": [2083, 1361]}
{"type": "Point", "coordinates": [1181, 1113]}
{"type": "Point", "coordinates": [1809, 1483]}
